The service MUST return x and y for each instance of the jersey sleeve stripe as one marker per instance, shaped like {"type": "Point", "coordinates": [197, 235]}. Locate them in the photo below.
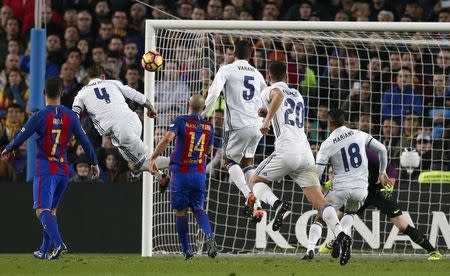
{"type": "Point", "coordinates": [368, 144]}
{"type": "Point", "coordinates": [322, 164]}
{"type": "Point", "coordinates": [77, 109]}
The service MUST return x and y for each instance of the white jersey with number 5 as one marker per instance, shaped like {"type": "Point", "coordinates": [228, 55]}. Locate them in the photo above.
{"type": "Point", "coordinates": [241, 85]}
{"type": "Point", "coordinates": [104, 101]}
{"type": "Point", "coordinates": [345, 148]}
{"type": "Point", "coordinates": [288, 122]}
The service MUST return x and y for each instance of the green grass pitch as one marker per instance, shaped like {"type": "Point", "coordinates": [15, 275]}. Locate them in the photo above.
{"type": "Point", "coordinates": [129, 264]}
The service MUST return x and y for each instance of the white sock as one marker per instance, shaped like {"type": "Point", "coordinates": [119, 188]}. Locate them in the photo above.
{"type": "Point", "coordinates": [237, 176]}
{"type": "Point", "coordinates": [248, 171]}
{"type": "Point", "coordinates": [315, 232]}
{"type": "Point", "coordinates": [347, 223]}
{"type": "Point", "coordinates": [330, 217]}
{"type": "Point", "coordinates": [264, 193]}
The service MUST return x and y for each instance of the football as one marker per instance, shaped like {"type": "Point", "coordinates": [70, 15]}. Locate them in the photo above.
{"type": "Point", "coordinates": [152, 61]}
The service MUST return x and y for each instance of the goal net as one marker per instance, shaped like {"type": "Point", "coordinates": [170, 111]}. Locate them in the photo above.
{"type": "Point", "coordinates": [392, 84]}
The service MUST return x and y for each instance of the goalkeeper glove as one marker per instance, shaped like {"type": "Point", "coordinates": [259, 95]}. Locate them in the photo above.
{"type": "Point", "coordinates": [327, 185]}
{"type": "Point", "coordinates": [387, 192]}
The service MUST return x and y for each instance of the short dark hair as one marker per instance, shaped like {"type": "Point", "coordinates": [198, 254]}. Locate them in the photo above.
{"type": "Point", "coordinates": [95, 71]}
{"type": "Point", "coordinates": [277, 70]}
{"type": "Point", "coordinates": [14, 106]}
{"type": "Point", "coordinates": [53, 87]}
{"type": "Point", "coordinates": [242, 49]}
{"type": "Point", "coordinates": [337, 116]}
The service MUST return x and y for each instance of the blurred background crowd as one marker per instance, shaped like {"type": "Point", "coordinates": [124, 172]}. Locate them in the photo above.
{"type": "Point", "coordinates": [399, 94]}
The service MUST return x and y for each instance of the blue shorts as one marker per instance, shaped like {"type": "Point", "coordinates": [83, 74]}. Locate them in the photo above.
{"type": "Point", "coordinates": [48, 190]}
{"type": "Point", "coordinates": [187, 190]}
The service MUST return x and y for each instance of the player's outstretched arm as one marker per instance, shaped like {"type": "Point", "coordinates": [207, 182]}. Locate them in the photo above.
{"type": "Point", "coordinates": [383, 178]}
{"type": "Point", "coordinates": [214, 91]}
{"type": "Point", "coordinates": [276, 98]}
{"type": "Point", "coordinates": [27, 130]}
{"type": "Point", "coordinates": [168, 137]}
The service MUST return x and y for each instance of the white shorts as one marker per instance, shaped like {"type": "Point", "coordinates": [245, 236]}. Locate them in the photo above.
{"type": "Point", "coordinates": [349, 199]}
{"type": "Point", "coordinates": [300, 168]}
{"type": "Point", "coordinates": [241, 143]}
{"type": "Point", "coordinates": [126, 136]}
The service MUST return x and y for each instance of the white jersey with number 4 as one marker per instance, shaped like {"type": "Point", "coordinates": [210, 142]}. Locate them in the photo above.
{"type": "Point", "coordinates": [104, 101]}
{"type": "Point", "coordinates": [288, 122]}
{"type": "Point", "coordinates": [345, 148]}
{"type": "Point", "coordinates": [241, 85]}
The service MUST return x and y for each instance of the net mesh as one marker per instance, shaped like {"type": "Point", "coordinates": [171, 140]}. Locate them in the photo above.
{"type": "Point", "coordinates": [351, 70]}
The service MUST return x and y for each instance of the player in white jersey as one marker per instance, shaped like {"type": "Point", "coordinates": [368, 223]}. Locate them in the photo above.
{"type": "Point", "coordinates": [104, 102]}
{"type": "Point", "coordinates": [241, 85]}
{"type": "Point", "coordinates": [292, 156]}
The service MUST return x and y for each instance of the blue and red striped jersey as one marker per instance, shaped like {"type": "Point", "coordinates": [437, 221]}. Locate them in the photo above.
{"type": "Point", "coordinates": [53, 126]}
{"type": "Point", "coordinates": [193, 137]}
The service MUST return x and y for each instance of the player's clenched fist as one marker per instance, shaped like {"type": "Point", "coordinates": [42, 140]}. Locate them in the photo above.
{"type": "Point", "coordinates": [151, 112]}
{"type": "Point", "coordinates": [265, 128]}
{"type": "Point", "coordinates": [6, 154]}
{"type": "Point", "coordinates": [95, 171]}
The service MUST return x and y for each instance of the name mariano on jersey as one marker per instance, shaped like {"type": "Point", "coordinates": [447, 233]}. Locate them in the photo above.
{"type": "Point", "coordinates": [345, 148]}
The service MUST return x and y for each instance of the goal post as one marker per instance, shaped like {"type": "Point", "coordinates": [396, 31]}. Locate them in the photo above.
{"type": "Point", "coordinates": [193, 52]}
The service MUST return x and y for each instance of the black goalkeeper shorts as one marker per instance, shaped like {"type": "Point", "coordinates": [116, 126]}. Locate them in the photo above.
{"type": "Point", "coordinates": [386, 204]}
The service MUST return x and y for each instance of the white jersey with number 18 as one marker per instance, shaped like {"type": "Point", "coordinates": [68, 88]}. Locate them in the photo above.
{"type": "Point", "coordinates": [345, 148]}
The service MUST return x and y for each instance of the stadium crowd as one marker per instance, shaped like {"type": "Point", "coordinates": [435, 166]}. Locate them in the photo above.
{"type": "Point", "coordinates": [401, 97]}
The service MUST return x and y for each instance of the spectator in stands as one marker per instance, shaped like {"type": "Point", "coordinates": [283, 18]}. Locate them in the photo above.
{"type": "Point", "coordinates": [410, 126]}
{"type": "Point", "coordinates": [360, 11]}
{"type": "Point", "coordinates": [184, 9]}
{"type": "Point", "coordinates": [74, 58]}
{"type": "Point", "coordinates": [84, 25]}
{"type": "Point", "coordinates": [230, 13]}
{"type": "Point", "coordinates": [443, 15]}
{"type": "Point", "coordinates": [353, 71]}
{"type": "Point", "coordinates": [85, 51]}
{"type": "Point", "coordinates": [12, 61]}
{"type": "Point", "coordinates": [319, 128]}
{"type": "Point", "coordinates": [70, 84]}
{"type": "Point", "coordinates": [115, 44]}
{"type": "Point", "coordinates": [423, 146]}
{"type": "Point", "coordinates": [330, 81]}
{"type": "Point", "coordinates": [15, 92]}
{"type": "Point", "coordinates": [390, 137]}
{"type": "Point", "coordinates": [171, 94]}
{"type": "Point", "coordinates": [5, 13]}
{"type": "Point", "coordinates": [83, 171]}
{"type": "Point", "coordinates": [105, 31]}
{"type": "Point", "coordinates": [198, 13]}
{"type": "Point", "coordinates": [98, 55]}
{"type": "Point", "coordinates": [214, 10]}
{"type": "Point", "coordinates": [13, 123]}
{"type": "Point", "coordinates": [113, 64]}
{"type": "Point", "coordinates": [437, 106]}
{"type": "Point", "coordinates": [120, 23]}
{"type": "Point", "coordinates": [385, 16]}
{"type": "Point", "coordinates": [54, 50]}
{"type": "Point", "coordinates": [137, 17]}
{"type": "Point", "coordinates": [133, 78]}
{"type": "Point", "coordinates": [71, 37]}
{"type": "Point", "coordinates": [406, 18]}
{"type": "Point", "coordinates": [245, 15]}
{"type": "Point", "coordinates": [377, 6]}
{"type": "Point", "coordinates": [229, 55]}
{"type": "Point", "coordinates": [14, 47]}
{"type": "Point", "coordinates": [270, 11]}
{"type": "Point", "coordinates": [111, 172]}
{"type": "Point", "coordinates": [402, 97]}
{"type": "Point", "coordinates": [442, 62]}
{"type": "Point", "coordinates": [160, 11]}
{"type": "Point", "coordinates": [12, 28]}
{"type": "Point", "coordinates": [365, 123]}
{"type": "Point", "coordinates": [342, 16]}
{"type": "Point", "coordinates": [102, 9]}
{"type": "Point", "coordinates": [130, 55]}
{"type": "Point", "coordinates": [70, 17]}
{"type": "Point", "coordinates": [360, 100]}
{"type": "Point", "coordinates": [415, 10]}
